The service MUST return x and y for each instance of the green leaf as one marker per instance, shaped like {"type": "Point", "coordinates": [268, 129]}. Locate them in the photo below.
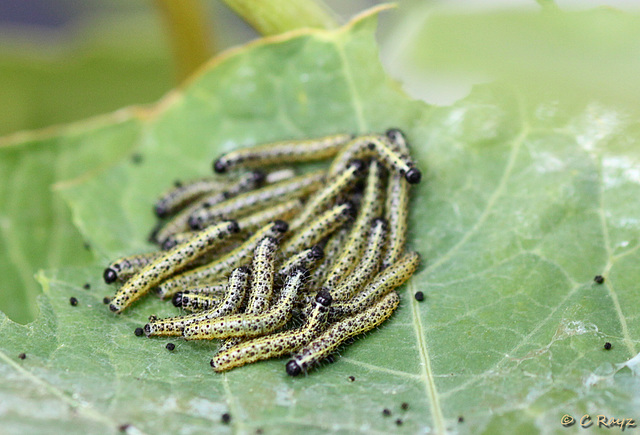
{"type": "Point", "coordinates": [523, 202]}
{"type": "Point", "coordinates": [35, 225]}
{"type": "Point", "coordinates": [56, 82]}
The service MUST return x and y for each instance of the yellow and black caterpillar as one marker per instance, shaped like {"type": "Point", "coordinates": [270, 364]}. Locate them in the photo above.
{"type": "Point", "coordinates": [260, 243]}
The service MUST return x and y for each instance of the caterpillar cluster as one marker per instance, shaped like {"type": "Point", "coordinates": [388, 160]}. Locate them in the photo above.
{"type": "Point", "coordinates": [274, 262]}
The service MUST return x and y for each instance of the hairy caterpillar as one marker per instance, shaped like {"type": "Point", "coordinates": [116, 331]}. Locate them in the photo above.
{"type": "Point", "coordinates": [282, 152]}
{"type": "Point", "coordinates": [371, 207]}
{"type": "Point", "coordinates": [236, 290]}
{"type": "Point", "coordinates": [278, 344]}
{"type": "Point", "coordinates": [251, 324]}
{"type": "Point", "coordinates": [171, 261]}
{"type": "Point", "coordinates": [318, 228]}
{"type": "Point", "coordinates": [380, 148]}
{"type": "Point", "coordinates": [215, 270]}
{"type": "Point", "coordinates": [339, 332]}
{"type": "Point", "coordinates": [251, 201]}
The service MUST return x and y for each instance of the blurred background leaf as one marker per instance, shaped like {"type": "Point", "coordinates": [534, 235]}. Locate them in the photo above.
{"type": "Point", "coordinates": [94, 65]}
{"type": "Point", "coordinates": [576, 54]}
{"type": "Point", "coordinates": [63, 60]}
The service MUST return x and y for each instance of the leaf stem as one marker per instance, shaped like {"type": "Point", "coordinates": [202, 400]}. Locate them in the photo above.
{"type": "Point", "coordinates": [187, 27]}
{"type": "Point", "coordinates": [271, 17]}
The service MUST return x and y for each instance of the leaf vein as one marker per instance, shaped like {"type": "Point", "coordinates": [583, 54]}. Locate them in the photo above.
{"type": "Point", "coordinates": [427, 372]}
{"type": "Point", "coordinates": [490, 203]}
{"type": "Point", "coordinates": [612, 293]}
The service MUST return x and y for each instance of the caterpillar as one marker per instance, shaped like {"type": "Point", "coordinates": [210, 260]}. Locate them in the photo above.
{"type": "Point", "coordinates": [278, 344]}
{"type": "Point", "coordinates": [237, 288]}
{"type": "Point", "coordinates": [387, 280]}
{"type": "Point", "coordinates": [371, 206]}
{"type": "Point", "coordinates": [398, 142]}
{"type": "Point", "coordinates": [168, 263]}
{"type": "Point", "coordinates": [176, 239]}
{"type": "Point", "coordinates": [262, 283]}
{"type": "Point", "coordinates": [318, 228]}
{"type": "Point", "coordinates": [378, 147]}
{"type": "Point", "coordinates": [195, 302]}
{"type": "Point", "coordinates": [180, 222]}
{"type": "Point", "coordinates": [248, 223]}
{"type": "Point", "coordinates": [237, 257]}
{"type": "Point", "coordinates": [251, 324]}
{"type": "Point", "coordinates": [397, 214]}
{"type": "Point", "coordinates": [332, 249]}
{"type": "Point", "coordinates": [262, 272]}
{"type": "Point", "coordinates": [215, 288]}
{"type": "Point", "coordinates": [225, 246]}
{"type": "Point", "coordinates": [339, 332]}
{"type": "Point", "coordinates": [342, 183]}
{"type": "Point", "coordinates": [223, 192]}
{"type": "Point", "coordinates": [250, 201]}
{"type": "Point", "coordinates": [368, 266]}
{"type": "Point", "coordinates": [124, 268]}
{"type": "Point", "coordinates": [305, 259]}
{"type": "Point", "coordinates": [184, 193]}
{"type": "Point", "coordinates": [279, 175]}
{"type": "Point", "coordinates": [282, 153]}
{"type": "Point", "coordinates": [280, 211]}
